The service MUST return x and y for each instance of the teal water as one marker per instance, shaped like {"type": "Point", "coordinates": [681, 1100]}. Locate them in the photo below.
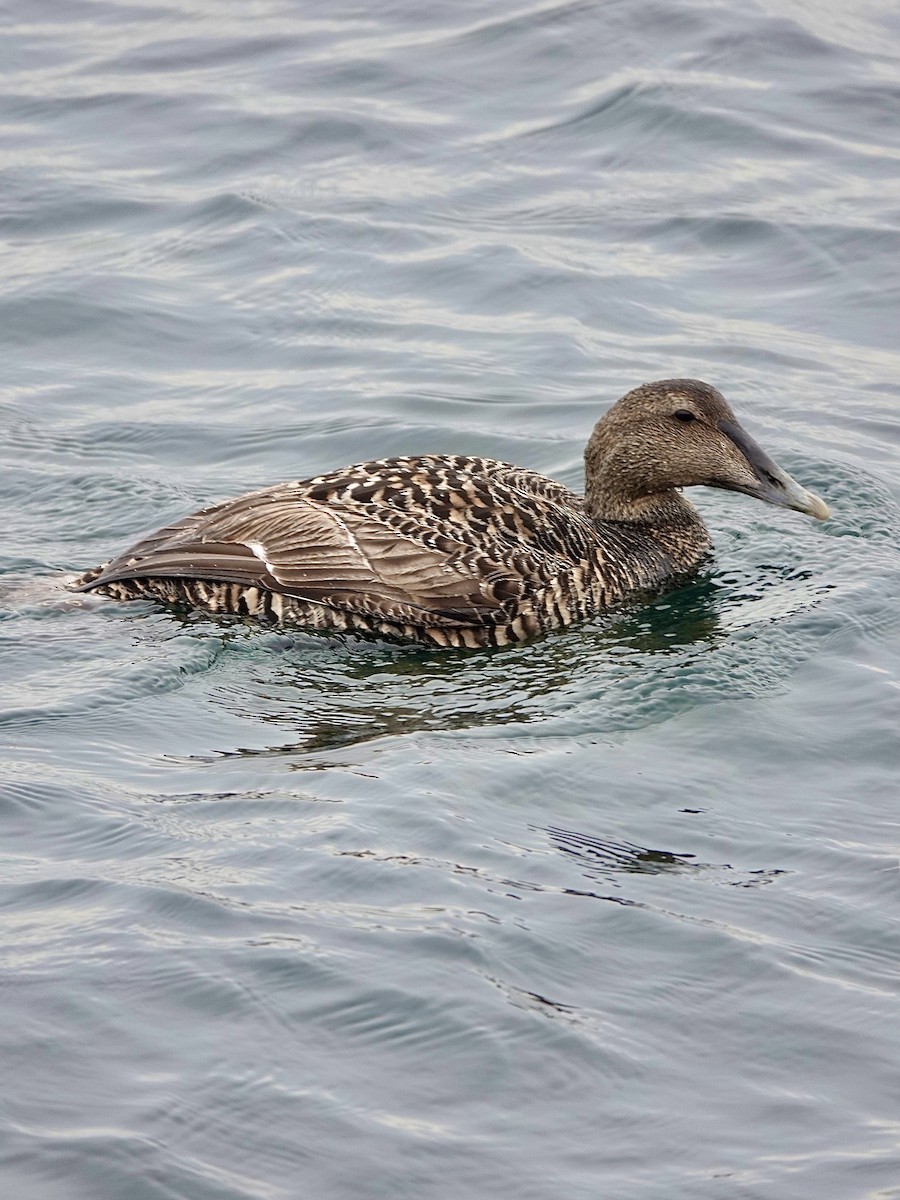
{"type": "Point", "coordinates": [615, 914]}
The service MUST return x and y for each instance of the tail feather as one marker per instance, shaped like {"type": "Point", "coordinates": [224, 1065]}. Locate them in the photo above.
{"type": "Point", "coordinates": [83, 583]}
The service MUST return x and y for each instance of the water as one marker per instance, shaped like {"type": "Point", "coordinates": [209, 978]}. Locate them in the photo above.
{"type": "Point", "coordinates": [614, 914]}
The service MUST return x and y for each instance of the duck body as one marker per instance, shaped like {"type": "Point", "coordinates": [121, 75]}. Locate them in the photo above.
{"type": "Point", "coordinates": [453, 550]}
{"type": "Point", "coordinates": [446, 550]}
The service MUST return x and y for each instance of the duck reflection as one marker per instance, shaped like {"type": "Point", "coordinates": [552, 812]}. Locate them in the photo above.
{"type": "Point", "coordinates": [639, 667]}
{"type": "Point", "coordinates": [688, 617]}
{"type": "Point", "coordinates": [336, 693]}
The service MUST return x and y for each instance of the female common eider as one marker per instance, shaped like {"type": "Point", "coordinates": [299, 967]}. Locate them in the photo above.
{"type": "Point", "coordinates": [453, 550]}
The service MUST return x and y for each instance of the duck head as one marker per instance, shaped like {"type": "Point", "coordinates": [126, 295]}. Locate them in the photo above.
{"type": "Point", "coordinates": [679, 433]}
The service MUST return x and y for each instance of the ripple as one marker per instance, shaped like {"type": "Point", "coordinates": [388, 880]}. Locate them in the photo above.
{"type": "Point", "coordinates": [96, 683]}
{"type": "Point", "coordinates": [392, 922]}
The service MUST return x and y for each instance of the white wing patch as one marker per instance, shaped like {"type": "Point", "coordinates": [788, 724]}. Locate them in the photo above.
{"type": "Point", "coordinates": [348, 533]}
{"type": "Point", "coordinates": [259, 550]}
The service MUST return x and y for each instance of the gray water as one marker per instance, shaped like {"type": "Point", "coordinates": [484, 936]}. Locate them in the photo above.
{"type": "Point", "coordinates": [611, 916]}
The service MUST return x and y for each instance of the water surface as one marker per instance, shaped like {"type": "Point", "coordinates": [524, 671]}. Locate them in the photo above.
{"type": "Point", "coordinates": [613, 914]}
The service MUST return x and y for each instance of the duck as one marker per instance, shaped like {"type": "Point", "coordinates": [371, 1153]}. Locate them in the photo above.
{"type": "Point", "coordinates": [461, 551]}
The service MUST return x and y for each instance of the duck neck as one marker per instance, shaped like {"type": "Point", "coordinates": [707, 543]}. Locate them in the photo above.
{"type": "Point", "coordinates": [667, 526]}
{"type": "Point", "coordinates": [622, 483]}
{"type": "Point", "coordinates": [666, 508]}
{"type": "Point", "coordinates": [664, 519]}
{"type": "Point", "coordinates": [608, 498]}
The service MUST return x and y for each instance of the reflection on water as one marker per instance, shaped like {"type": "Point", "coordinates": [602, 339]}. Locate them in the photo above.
{"type": "Point", "coordinates": [642, 664]}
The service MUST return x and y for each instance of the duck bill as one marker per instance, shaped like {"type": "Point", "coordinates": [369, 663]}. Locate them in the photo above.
{"type": "Point", "coordinates": [772, 484]}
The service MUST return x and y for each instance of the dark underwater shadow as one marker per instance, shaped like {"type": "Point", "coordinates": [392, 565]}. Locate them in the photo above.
{"type": "Point", "coordinates": [606, 859]}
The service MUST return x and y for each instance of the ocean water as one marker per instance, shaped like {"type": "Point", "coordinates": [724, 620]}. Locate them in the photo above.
{"type": "Point", "coordinates": [614, 915]}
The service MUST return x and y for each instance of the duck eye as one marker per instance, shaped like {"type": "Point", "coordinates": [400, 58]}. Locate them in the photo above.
{"type": "Point", "coordinates": [684, 415]}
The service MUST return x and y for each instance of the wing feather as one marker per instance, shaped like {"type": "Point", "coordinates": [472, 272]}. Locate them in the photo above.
{"type": "Point", "coordinates": [307, 550]}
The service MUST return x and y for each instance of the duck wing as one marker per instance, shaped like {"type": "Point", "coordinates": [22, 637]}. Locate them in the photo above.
{"type": "Point", "coordinates": [404, 539]}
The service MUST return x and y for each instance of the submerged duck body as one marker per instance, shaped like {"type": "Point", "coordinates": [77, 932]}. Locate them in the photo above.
{"type": "Point", "coordinates": [453, 550]}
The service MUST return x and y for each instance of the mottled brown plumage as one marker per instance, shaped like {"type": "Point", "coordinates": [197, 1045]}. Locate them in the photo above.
{"type": "Point", "coordinates": [451, 550]}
